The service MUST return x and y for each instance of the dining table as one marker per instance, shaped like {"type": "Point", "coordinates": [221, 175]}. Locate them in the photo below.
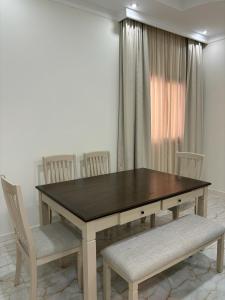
{"type": "Point", "coordinates": [96, 203]}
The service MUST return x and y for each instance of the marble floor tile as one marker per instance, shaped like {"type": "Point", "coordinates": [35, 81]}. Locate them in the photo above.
{"type": "Point", "coordinates": [193, 279]}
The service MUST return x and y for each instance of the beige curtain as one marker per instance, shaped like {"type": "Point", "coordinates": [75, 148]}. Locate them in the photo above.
{"type": "Point", "coordinates": [134, 105]}
{"type": "Point", "coordinates": [167, 54]}
{"type": "Point", "coordinates": [193, 137]}
{"type": "Point", "coordinates": [161, 97]}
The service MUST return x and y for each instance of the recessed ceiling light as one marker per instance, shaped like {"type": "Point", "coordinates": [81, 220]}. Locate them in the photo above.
{"type": "Point", "coordinates": [134, 5]}
{"type": "Point", "coordinates": [204, 32]}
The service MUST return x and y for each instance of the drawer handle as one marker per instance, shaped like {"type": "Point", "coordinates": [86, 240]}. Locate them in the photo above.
{"type": "Point", "coordinates": [142, 212]}
{"type": "Point", "coordinates": [179, 200]}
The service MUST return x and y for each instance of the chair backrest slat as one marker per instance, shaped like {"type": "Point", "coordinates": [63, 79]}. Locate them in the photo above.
{"type": "Point", "coordinates": [189, 164]}
{"type": "Point", "coordinates": [59, 168]}
{"type": "Point", "coordinates": [97, 163]}
{"type": "Point", "coordinates": [14, 202]}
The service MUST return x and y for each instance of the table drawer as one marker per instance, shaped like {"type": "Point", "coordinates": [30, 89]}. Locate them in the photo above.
{"type": "Point", "coordinates": [139, 212]}
{"type": "Point", "coordinates": [181, 199]}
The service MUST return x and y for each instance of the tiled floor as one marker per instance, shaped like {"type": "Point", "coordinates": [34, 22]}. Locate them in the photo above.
{"type": "Point", "coordinates": [193, 279]}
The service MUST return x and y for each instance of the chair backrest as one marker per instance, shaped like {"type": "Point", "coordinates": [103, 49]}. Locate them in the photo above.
{"type": "Point", "coordinates": [14, 200]}
{"type": "Point", "coordinates": [189, 164]}
{"type": "Point", "coordinates": [97, 163]}
{"type": "Point", "coordinates": [59, 168]}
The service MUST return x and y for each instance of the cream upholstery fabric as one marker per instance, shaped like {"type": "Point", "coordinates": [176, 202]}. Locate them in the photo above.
{"type": "Point", "coordinates": [55, 238]}
{"type": "Point", "coordinates": [147, 252]}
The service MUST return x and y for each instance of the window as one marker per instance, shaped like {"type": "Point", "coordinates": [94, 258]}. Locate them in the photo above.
{"type": "Point", "coordinates": [167, 121]}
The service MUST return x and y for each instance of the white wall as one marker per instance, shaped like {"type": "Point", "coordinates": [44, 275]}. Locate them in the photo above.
{"type": "Point", "coordinates": [214, 62]}
{"type": "Point", "coordinates": [59, 89]}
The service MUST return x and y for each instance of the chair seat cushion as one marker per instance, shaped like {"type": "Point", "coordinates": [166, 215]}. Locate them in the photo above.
{"type": "Point", "coordinates": [148, 252]}
{"type": "Point", "coordinates": [55, 238]}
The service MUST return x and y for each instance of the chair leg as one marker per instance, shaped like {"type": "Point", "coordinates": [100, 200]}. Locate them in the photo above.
{"type": "Point", "coordinates": [50, 216]}
{"type": "Point", "coordinates": [152, 221]}
{"type": "Point", "coordinates": [175, 212]}
{"type": "Point", "coordinates": [106, 281]}
{"type": "Point", "coordinates": [196, 205]}
{"type": "Point", "coordinates": [107, 234]}
{"type": "Point", "coordinates": [128, 225]}
{"type": "Point", "coordinates": [62, 219]}
{"type": "Point", "coordinates": [80, 270]}
{"type": "Point", "coordinates": [133, 291]}
{"type": "Point", "coordinates": [63, 262]}
{"type": "Point", "coordinates": [143, 220]}
{"type": "Point", "coordinates": [220, 254]}
{"type": "Point", "coordinates": [18, 265]}
{"type": "Point", "coordinates": [33, 281]}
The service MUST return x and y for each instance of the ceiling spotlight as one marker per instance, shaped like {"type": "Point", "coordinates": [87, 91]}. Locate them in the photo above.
{"type": "Point", "coordinates": [134, 5]}
{"type": "Point", "coordinates": [204, 32]}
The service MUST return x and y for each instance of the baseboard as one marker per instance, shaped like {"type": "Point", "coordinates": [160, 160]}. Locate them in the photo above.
{"type": "Point", "coordinates": [7, 237]}
{"type": "Point", "coordinates": [10, 237]}
{"type": "Point", "coordinates": [217, 192]}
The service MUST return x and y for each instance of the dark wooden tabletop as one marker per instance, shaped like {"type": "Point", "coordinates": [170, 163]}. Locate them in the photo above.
{"type": "Point", "coordinates": [95, 197]}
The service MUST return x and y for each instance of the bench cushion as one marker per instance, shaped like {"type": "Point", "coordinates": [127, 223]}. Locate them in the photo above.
{"type": "Point", "coordinates": [145, 253]}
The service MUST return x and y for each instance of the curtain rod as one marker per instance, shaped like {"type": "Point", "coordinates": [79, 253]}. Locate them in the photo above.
{"type": "Point", "coordinates": [137, 16]}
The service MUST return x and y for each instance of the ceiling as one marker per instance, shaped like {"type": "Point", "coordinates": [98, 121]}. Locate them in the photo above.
{"type": "Point", "coordinates": [185, 4]}
{"type": "Point", "coordinates": [190, 16]}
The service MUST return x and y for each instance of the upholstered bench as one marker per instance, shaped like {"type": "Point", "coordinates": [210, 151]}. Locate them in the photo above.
{"type": "Point", "coordinates": [149, 253]}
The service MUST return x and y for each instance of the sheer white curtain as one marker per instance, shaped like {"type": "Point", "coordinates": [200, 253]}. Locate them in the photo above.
{"type": "Point", "coordinates": [167, 54]}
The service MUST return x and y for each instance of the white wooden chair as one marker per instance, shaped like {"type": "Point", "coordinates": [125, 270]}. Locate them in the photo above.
{"type": "Point", "coordinates": [40, 245]}
{"type": "Point", "coordinates": [58, 168]}
{"type": "Point", "coordinates": [188, 165]}
{"type": "Point", "coordinates": [97, 163]}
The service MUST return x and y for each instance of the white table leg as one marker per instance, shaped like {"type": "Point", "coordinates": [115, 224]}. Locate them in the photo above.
{"type": "Point", "coordinates": [89, 265]}
{"type": "Point", "coordinates": [44, 211]}
{"type": "Point", "coordinates": [202, 203]}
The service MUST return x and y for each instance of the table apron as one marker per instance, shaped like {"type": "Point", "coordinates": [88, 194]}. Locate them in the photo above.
{"type": "Point", "coordinates": [60, 210]}
{"type": "Point", "coordinates": [90, 228]}
{"type": "Point", "coordinates": [181, 199]}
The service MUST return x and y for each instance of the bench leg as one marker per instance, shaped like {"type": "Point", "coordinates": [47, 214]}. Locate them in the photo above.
{"type": "Point", "coordinates": [152, 221]}
{"type": "Point", "coordinates": [106, 281]}
{"type": "Point", "coordinates": [133, 291]}
{"type": "Point", "coordinates": [220, 254]}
